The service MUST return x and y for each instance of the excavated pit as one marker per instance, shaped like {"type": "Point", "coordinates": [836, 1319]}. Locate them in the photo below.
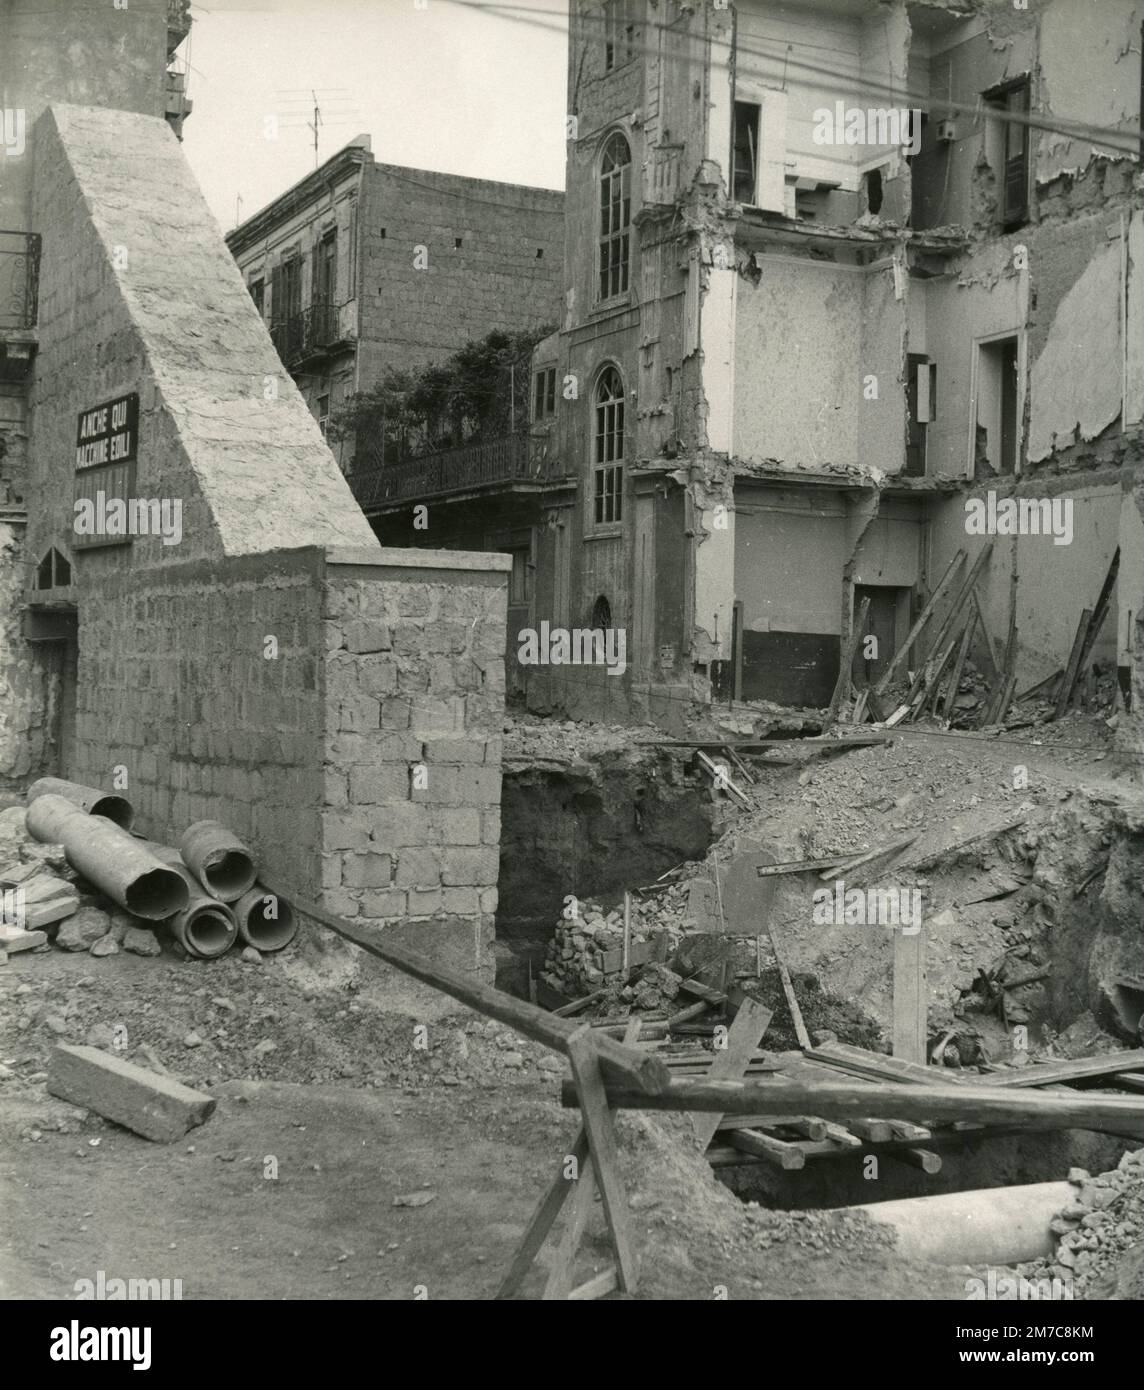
{"type": "Point", "coordinates": [590, 830]}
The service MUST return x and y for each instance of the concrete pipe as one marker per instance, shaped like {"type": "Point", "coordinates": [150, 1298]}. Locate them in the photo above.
{"type": "Point", "coordinates": [116, 809]}
{"type": "Point", "coordinates": [218, 859]}
{"type": "Point", "coordinates": [205, 928]}
{"type": "Point", "coordinates": [265, 921]}
{"type": "Point", "coordinates": [996, 1225]}
{"type": "Point", "coordinates": [109, 857]}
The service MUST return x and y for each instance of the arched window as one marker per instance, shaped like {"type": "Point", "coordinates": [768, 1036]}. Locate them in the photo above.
{"type": "Point", "coordinates": [608, 449]}
{"type": "Point", "coordinates": [615, 217]}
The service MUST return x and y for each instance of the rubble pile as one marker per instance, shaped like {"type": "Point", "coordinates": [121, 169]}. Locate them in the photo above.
{"type": "Point", "coordinates": [1102, 1225]}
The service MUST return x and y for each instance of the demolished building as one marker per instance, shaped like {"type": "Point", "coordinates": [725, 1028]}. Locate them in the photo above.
{"type": "Point", "coordinates": [833, 272]}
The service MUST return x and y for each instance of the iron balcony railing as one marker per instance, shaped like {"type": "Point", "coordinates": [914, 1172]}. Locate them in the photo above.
{"type": "Point", "coordinates": [19, 280]}
{"type": "Point", "coordinates": [509, 459]}
{"type": "Point", "coordinates": [311, 331]}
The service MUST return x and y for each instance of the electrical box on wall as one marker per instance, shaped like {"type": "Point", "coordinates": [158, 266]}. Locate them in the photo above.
{"type": "Point", "coordinates": [946, 132]}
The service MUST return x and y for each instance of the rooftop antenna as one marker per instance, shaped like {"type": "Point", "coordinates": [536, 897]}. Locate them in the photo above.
{"type": "Point", "coordinates": [315, 124]}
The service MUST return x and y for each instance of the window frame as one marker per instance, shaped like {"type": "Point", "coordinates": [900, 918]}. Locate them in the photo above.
{"type": "Point", "coordinates": [1022, 388]}
{"type": "Point", "coordinates": [607, 452]}
{"type": "Point", "coordinates": [613, 269]}
{"type": "Point", "coordinates": [998, 99]}
{"type": "Point", "coordinates": [620, 25]}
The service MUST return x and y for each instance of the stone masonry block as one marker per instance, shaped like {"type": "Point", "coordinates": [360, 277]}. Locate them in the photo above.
{"type": "Point", "coordinates": [344, 832]}
{"type": "Point", "coordinates": [418, 868]}
{"type": "Point", "coordinates": [367, 871]}
{"type": "Point", "coordinates": [393, 903]}
{"type": "Point", "coordinates": [405, 823]}
{"type": "Point", "coordinates": [464, 867]}
{"type": "Point", "coordinates": [457, 825]}
{"type": "Point", "coordinates": [365, 636]}
{"type": "Point", "coordinates": [454, 750]}
{"type": "Point", "coordinates": [372, 786]}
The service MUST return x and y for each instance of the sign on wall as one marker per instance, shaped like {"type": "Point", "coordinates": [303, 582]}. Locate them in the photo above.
{"type": "Point", "coordinates": [106, 445]}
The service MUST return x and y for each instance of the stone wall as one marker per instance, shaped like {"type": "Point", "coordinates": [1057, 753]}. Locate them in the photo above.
{"type": "Point", "coordinates": [507, 272]}
{"type": "Point", "coordinates": [414, 715]}
{"type": "Point", "coordinates": [181, 693]}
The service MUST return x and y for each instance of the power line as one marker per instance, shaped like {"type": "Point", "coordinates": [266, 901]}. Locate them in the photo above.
{"type": "Point", "coordinates": [1115, 139]}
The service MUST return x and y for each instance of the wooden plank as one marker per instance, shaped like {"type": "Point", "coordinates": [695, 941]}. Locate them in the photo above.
{"type": "Point", "coordinates": [1099, 614]}
{"type": "Point", "coordinates": [952, 621]}
{"type": "Point", "coordinates": [802, 866]}
{"type": "Point", "coordinates": [919, 622]}
{"type": "Point", "coordinates": [951, 692]}
{"type": "Point", "coordinates": [596, 1287]}
{"type": "Point", "coordinates": [894, 847]}
{"type": "Point", "coordinates": [841, 1100]}
{"type": "Point", "coordinates": [721, 779]}
{"type": "Point", "coordinates": [842, 684]}
{"type": "Point", "coordinates": [991, 650]}
{"type": "Point", "coordinates": [578, 1005]}
{"type": "Point", "coordinates": [157, 1107]}
{"type": "Point", "coordinates": [559, 1282]}
{"type": "Point", "coordinates": [594, 1108]}
{"type": "Point", "coordinates": [1055, 1073]}
{"type": "Point", "coordinates": [542, 1219]}
{"type": "Point", "coordinates": [1064, 693]}
{"type": "Point", "coordinates": [743, 1037]}
{"type": "Point", "coordinates": [876, 1065]}
{"type": "Point", "coordinates": [631, 1065]}
{"type": "Point", "coordinates": [788, 990]}
{"type": "Point", "coordinates": [925, 1159]}
{"type": "Point", "coordinates": [873, 1131]}
{"type": "Point", "coordinates": [911, 996]}
{"type": "Point", "coordinates": [785, 1154]}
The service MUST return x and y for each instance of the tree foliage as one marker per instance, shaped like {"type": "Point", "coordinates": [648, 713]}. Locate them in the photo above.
{"type": "Point", "coordinates": [480, 392]}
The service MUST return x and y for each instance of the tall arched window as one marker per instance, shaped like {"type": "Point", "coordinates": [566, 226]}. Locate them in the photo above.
{"type": "Point", "coordinates": [615, 216]}
{"type": "Point", "coordinates": [608, 449]}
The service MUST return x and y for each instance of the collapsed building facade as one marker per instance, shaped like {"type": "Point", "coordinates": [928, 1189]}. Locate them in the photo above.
{"type": "Point", "coordinates": [832, 269]}
{"type": "Point", "coordinates": [193, 608]}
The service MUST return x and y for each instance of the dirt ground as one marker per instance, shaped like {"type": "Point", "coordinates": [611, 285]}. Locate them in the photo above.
{"type": "Point", "coordinates": [342, 1088]}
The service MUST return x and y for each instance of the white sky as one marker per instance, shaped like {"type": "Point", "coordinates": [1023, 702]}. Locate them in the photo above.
{"type": "Point", "coordinates": [446, 87]}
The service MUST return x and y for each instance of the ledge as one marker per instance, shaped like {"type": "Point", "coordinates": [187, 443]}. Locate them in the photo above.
{"type": "Point", "coordinates": [398, 557]}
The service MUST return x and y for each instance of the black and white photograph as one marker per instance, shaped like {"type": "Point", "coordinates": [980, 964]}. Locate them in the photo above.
{"type": "Point", "coordinates": [570, 581]}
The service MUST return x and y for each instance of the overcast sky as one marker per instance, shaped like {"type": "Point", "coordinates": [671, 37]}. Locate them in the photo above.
{"type": "Point", "coordinates": [450, 87]}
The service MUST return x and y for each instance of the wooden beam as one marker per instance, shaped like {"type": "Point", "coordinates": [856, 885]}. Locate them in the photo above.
{"type": "Point", "coordinates": [911, 996]}
{"type": "Point", "coordinates": [919, 622]}
{"type": "Point", "coordinates": [842, 684]}
{"type": "Point", "coordinates": [629, 1065]}
{"type": "Point", "coordinates": [1065, 690]}
{"type": "Point", "coordinates": [788, 990]}
{"type": "Point", "coordinates": [744, 1035]}
{"type": "Point", "coordinates": [988, 1105]}
{"type": "Point", "coordinates": [542, 1219]}
{"type": "Point", "coordinates": [1056, 1073]}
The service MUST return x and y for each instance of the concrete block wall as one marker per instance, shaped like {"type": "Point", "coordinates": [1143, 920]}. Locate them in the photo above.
{"type": "Point", "coordinates": [414, 690]}
{"type": "Point", "coordinates": [495, 279]}
{"type": "Point", "coordinates": [176, 687]}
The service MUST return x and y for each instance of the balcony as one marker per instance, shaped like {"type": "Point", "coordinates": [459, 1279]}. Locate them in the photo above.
{"type": "Point", "coordinates": [511, 460]}
{"type": "Point", "coordinates": [320, 331]}
{"type": "Point", "coordinates": [178, 23]}
{"type": "Point", "coordinates": [19, 302]}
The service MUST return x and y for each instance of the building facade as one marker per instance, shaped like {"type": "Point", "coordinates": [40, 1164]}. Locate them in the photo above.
{"type": "Point", "coordinates": [834, 269]}
{"type": "Point", "coordinates": [362, 267]}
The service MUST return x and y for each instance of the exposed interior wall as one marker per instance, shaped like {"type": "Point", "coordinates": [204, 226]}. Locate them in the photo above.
{"type": "Point", "coordinates": [1054, 582]}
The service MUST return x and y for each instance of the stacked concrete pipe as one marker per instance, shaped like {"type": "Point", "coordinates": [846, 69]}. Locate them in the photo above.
{"type": "Point", "coordinates": [265, 921]}
{"type": "Point", "coordinates": [109, 805]}
{"type": "Point", "coordinates": [106, 855]}
{"type": "Point", "coordinates": [204, 927]}
{"type": "Point", "coordinates": [219, 860]}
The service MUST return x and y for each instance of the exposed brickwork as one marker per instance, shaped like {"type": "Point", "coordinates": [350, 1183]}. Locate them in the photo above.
{"type": "Point", "coordinates": [175, 687]}
{"type": "Point", "coordinates": [414, 709]}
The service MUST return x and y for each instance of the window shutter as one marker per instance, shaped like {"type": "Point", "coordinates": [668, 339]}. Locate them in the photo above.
{"type": "Point", "coordinates": [771, 191]}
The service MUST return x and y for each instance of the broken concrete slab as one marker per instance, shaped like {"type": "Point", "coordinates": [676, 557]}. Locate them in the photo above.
{"type": "Point", "coordinates": [154, 1106]}
{"type": "Point", "coordinates": [83, 930]}
{"type": "Point", "coordinates": [13, 939]}
{"type": "Point", "coordinates": [44, 914]}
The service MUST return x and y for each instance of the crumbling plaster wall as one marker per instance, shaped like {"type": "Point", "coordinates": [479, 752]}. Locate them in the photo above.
{"type": "Point", "coordinates": [1054, 582]}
